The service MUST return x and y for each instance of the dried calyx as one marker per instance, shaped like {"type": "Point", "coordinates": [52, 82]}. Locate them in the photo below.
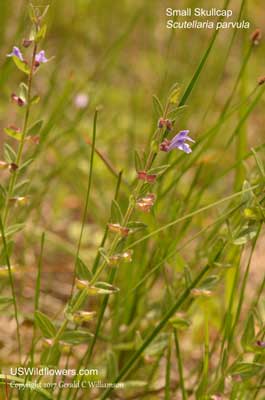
{"type": "Point", "coordinates": [146, 203]}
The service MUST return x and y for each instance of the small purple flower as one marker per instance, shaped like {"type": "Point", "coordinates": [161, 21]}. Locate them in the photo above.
{"type": "Point", "coordinates": [16, 53]}
{"type": "Point", "coordinates": [178, 142]}
{"type": "Point", "coordinates": [40, 57]}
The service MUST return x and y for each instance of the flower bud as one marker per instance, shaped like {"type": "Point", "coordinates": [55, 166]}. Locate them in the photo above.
{"type": "Point", "coordinates": [22, 200]}
{"type": "Point", "coordinates": [256, 36]}
{"type": "Point", "coordinates": [114, 260]}
{"type": "Point", "coordinates": [161, 123]}
{"type": "Point", "coordinates": [127, 256]}
{"type": "Point", "coordinates": [164, 145]}
{"type": "Point", "coordinates": [26, 42]}
{"type": "Point", "coordinates": [201, 292]}
{"type": "Point", "coordinates": [146, 203]}
{"type": "Point", "coordinates": [81, 284]}
{"type": "Point", "coordinates": [169, 124]}
{"type": "Point", "coordinates": [142, 175]}
{"type": "Point", "coordinates": [18, 100]}
{"type": "Point", "coordinates": [12, 167]}
{"type": "Point", "coordinates": [83, 316]}
{"type": "Point", "coordinates": [117, 228]}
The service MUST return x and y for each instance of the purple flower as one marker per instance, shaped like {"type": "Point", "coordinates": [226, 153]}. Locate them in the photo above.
{"type": "Point", "coordinates": [16, 53]}
{"type": "Point", "coordinates": [178, 142]}
{"type": "Point", "coordinates": [40, 57]}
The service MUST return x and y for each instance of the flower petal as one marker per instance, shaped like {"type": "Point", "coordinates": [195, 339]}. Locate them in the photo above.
{"type": "Point", "coordinates": [40, 57]}
{"type": "Point", "coordinates": [180, 136]}
{"type": "Point", "coordinates": [185, 147]}
{"type": "Point", "coordinates": [16, 53]}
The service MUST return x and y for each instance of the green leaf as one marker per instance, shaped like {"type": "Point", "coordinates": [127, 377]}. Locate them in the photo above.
{"type": "Point", "coordinates": [136, 225]}
{"type": "Point", "coordinates": [174, 96]}
{"type": "Point", "coordinates": [13, 229]}
{"type": "Point", "coordinates": [77, 337]}
{"type": "Point", "coordinates": [106, 288]}
{"type": "Point", "coordinates": [23, 91]}
{"type": "Point", "coordinates": [198, 70]}
{"type": "Point", "coordinates": [51, 357]}
{"type": "Point", "coordinates": [45, 11]}
{"type": "Point", "coordinates": [82, 270]}
{"type": "Point", "coordinates": [176, 111]}
{"type": "Point", "coordinates": [35, 100]}
{"type": "Point", "coordinates": [33, 33]}
{"type": "Point", "coordinates": [2, 196]}
{"type": "Point", "coordinates": [41, 33]}
{"type": "Point", "coordinates": [159, 170]}
{"type": "Point", "coordinates": [21, 65]}
{"type": "Point", "coordinates": [126, 346]}
{"type": "Point", "coordinates": [112, 366]}
{"type": "Point", "coordinates": [21, 187]}
{"type": "Point", "coordinates": [245, 370]}
{"type": "Point", "coordinates": [259, 164]}
{"type": "Point", "coordinates": [215, 250]}
{"type": "Point", "coordinates": [247, 195]}
{"type": "Point", "coordinates": [9, 154]}
{"type": "Point", "coordinates": [44, 324]}
{"type": "Point", "coordinates": [180, 323]}
{"type": "Point", "coordinates": [103, 254]}
{"type": "Point", "coordinates": [5, 301]}
{"type": "Point", "coordinates": [13, 133]}
{"type": "Point", "coordinates": [26, 164]}
{"type": "Point", "coordinates": [35, 128]}
{"type": "Point", "coordinates": [137, 161]}
{"type": "Point", "coordinates": [116, 213]}
{"type": "Point", "coordinates": [158, 108]}
{"type": "Point", "coordinates": [209, 282]}
{"type": "Point", "coordinates": [248, 336]}
{"type": "Point", "coordinates": [32, 14]}
{"type": "Point", "coordinates": [245, 235]}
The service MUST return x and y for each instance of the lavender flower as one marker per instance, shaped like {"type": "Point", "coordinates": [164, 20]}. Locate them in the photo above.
{"type": "Point", "coordinates": [40, 57]}
{"type": "Point", "coordinates": [16, 53]}
{"type": "Point", "coordinates": [178, 142]}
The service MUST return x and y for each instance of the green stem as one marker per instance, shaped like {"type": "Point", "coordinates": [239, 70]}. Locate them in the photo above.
{"type": "Point", "coordinates": [180, 366]}
{"type": "Point", "coordinates": [11, 280]}
{"type": "Point", "coordinates": [23, 136]}
{"type": "Point", "coordinates": [87, 197]}
{"type": "Point", "coordinates": [168, 369]}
